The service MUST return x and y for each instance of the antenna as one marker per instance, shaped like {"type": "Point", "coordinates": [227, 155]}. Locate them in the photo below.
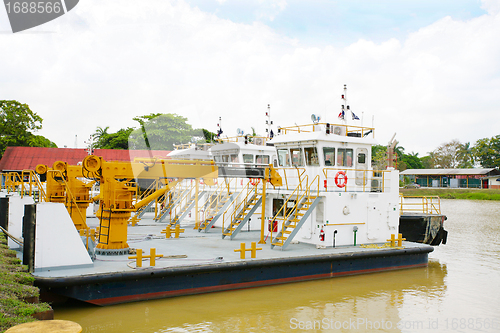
{"type": "Point", "coordinates": [269, 122]}
{"type": "Point", "coordinates": [315, 118]}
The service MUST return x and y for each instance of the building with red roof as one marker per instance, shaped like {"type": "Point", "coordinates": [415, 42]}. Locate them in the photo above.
{"type": "Point", "coordinates": [27, 158]}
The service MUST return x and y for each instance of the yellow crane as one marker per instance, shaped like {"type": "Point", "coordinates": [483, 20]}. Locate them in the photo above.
{"type": "Point", "coordinates": [63, 185]}
{"type": "Point", "coordinates": [117, 181]}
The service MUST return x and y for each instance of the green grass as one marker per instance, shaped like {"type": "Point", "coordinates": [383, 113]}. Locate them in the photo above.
{"type": "Point", "coordinates": [445, 193]}
{"type": "Point", "coordinates": [16, 286]}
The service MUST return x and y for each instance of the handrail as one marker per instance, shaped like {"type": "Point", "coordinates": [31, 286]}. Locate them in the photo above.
{"type": "Point", "coordinates": [362, 130]}
{"type": "Point", "coordinates": [364, 179]}
{"type": "Point", "coordinates": [220, 190]}
{"type": "Point", "coordinates": [38, 184]}
{"type": "Point", "coordinates": [235, 203]}
{"type": "Point", "coordinates": [68, 191]}
{"type": "Point", "coordinates": [420, 204]}
{"type": "Point", "coordinates": [300, 173]}
{"type": "Point", "coordinates": [186, 197]}
{"type": "Point", "coordinates": [294, 210]}
{"type": "Point", "coordinates": [244, 202]}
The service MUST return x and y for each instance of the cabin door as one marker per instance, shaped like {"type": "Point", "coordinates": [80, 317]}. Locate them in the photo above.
{"type": "Point", "coordinates": [361, 166]}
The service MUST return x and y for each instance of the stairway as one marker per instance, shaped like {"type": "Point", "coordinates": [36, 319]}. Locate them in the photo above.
{"type": "Point", "coordinates": [170, 200]}
{"type": "Point", "coordinates": [295, 220]}
{"type": "Point", "coordinates": [251, 203]}
{"type": "Point", "coordinates": [185, 209]}
{"type": "Point", "coordinates": [219, 207]}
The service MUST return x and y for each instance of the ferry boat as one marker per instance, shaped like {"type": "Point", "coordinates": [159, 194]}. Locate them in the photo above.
{"type": "Point", "coordinates": [305, 205]}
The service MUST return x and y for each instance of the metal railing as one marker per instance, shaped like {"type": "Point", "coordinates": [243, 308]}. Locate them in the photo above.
{"type": "Point", "coordinates": [419, 204]}
{"type": "Point", "coordinates": [285, 211]}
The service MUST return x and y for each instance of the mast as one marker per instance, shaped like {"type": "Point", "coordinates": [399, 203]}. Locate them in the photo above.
{"type": "Point", "coordinates": [269, 122]}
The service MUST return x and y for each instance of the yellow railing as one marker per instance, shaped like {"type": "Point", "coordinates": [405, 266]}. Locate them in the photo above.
{"type": "Point", "coordinates": [289, 174]}
{"type": "Point", "coordinates": [69, 195]}
{"type": "Point", "coordinates": [256, 140]}
{"type": "Point", "coordinates": [236, 203]}
{"type": "Point", "coordinates": [361, 130]}
{"type": "Point", "coordinates": [212, 203]}
{"type": "Point", "coordinates": [188, 195]}
{"type": "Point", "coordinates": [15, 181]}
{"type": "Point", "coordinates": [298, 197]}
{"type": "Point", "coordinates": [357, 180]}
{"type": "Point", "coordinates": [420, 204]}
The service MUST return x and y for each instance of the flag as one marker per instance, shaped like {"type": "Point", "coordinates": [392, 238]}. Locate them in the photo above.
{"type": "Point", "coordinates": [354, 117]}
{"type": "Point", "coordinates": [219, 132]}
{"type": "Point", "coordinates": [271, 135]}
{"type": "Point", "coordinates": [341, 115]}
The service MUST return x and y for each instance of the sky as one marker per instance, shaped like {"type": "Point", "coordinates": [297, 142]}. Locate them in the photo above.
{"type": "Point", "coordinates": [428, 71]}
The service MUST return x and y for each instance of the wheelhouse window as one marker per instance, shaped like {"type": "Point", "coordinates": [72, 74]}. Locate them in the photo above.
{"type": "Point", "coordinates": [225, 158]}
{"type": "Point", "coordinates": [262, 159]}
{"type": "Point", "coordinates": [283, 158]}
{"type": "Point", "coordinates": [218, 158]}
{"type": "Point", "coordinates": [311, 154]}
{"type": "Point", "coordinates": [234, 158]}
{"type": "Point", "coordinates": [247, 158]}
{"type": "Point", "coordinates": [297, 157]}
{"type": "Point", "coordinates": [329, 156]}
{"type": "Point", "coordinates": [344, 157]}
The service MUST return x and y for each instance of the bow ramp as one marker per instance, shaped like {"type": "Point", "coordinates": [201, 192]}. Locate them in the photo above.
{"type": "Point", "coordinates": [243, 207]}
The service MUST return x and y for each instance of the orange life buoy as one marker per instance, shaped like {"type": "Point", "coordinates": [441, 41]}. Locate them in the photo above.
{"type": "Point", "coordinates": [341, 179]}
{"type": "Point", "coordinates": [254, 181]}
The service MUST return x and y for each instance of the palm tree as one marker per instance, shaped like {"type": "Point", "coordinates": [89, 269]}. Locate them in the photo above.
{"type": "Point", "coordinates": [99, 136]}
{"type": "Point", "coordinates": [466, 156]}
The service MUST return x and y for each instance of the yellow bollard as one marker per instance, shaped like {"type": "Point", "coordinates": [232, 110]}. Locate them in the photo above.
{"type": "Point", "coordinates": [392, 240]}
{"type": "Point", "coordinates": [253, 250]}
{"type": "Point", "coordinates": [241, 250]}
{"type": "Point", "coordinates": [152, 257]}
{"type": "Point", "coordinates": [167, 232]}
{"type": "Point", "coordinates": [178, 230]}
{"type": "Point", "coordinates": [138, 258]}
{"type": "Point", "coordinates": [400, 240]}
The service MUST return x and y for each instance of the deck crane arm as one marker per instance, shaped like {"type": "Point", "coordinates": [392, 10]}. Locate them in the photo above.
{"type": "Point", "coordinates": [117, 192]}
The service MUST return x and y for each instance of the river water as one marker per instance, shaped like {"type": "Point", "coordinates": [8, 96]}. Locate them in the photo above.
{"type": "Point", "coordinates": [459, 291]}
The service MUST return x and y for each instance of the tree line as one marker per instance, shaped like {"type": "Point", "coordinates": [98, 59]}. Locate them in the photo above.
{"type": "Point", "coordinates": [454, 154]}
{"type": "Point", "coordinates": [161, 131]}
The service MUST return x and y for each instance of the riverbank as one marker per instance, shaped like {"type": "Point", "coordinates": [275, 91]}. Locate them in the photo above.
{"type": "Point", "coordinates": [453, 193]}
{"type": "Point", "coordinates": [18, 297]}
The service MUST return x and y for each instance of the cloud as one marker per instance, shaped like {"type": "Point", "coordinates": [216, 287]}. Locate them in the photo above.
{"type": "Point", "coordinates": [105, 64]}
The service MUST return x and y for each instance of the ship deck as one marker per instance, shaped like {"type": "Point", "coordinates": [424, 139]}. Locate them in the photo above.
{"type": "Point", "coordinates": [198, 249]}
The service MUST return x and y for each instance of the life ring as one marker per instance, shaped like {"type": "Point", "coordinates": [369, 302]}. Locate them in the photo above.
{"type": "Point", "coordinates": [254, 181]}
{"type": "Point", "coordinates": [341, 179]}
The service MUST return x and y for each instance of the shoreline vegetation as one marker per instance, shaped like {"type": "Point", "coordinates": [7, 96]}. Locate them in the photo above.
{"type": "Point", "coordinates": [19, 299]}
{"type": "Point", "coordinates": [453, 193]}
